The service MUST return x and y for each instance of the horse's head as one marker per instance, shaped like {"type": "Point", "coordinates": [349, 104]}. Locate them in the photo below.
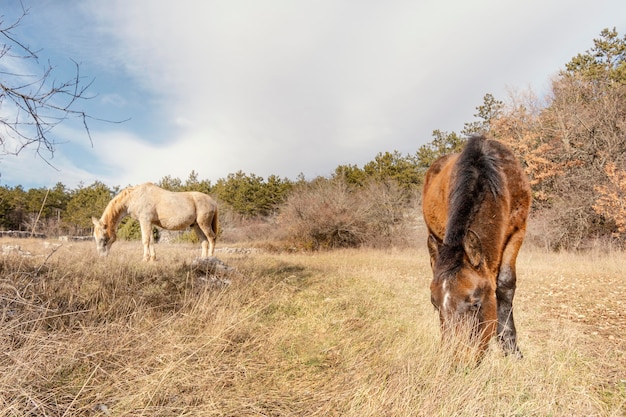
{"type": "Point", "coordinates": [104, 239]}
{"type": "Point", "coordinates": [462, 291]}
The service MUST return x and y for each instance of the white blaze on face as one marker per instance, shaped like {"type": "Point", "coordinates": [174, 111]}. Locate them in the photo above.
{"type": "Point", "coordinates": [446, 295]}
{"type": "Point", "coordinates": [101, 242]}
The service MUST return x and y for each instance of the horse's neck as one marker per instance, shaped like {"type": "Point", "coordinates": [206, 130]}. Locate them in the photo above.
{"type": "Point", "coordinates": [116, 210]}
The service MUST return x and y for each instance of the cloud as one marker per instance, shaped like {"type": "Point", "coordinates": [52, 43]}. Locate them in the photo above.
{"type": "Point", "coordinates": [283, 87]}
{"type": "Point", "coordinates": [116, 100]}
{"type": "Point", "coordinates": [136, 160]}
{"type": "Point", "coordinates": [314, 80]}
{"type": "Point", "coordinates": [31, 171]}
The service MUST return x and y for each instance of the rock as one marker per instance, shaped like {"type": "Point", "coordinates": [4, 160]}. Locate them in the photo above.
{"type": "Point", "coordinates": [212, 271]}
{"type": "Point", "coordinates": [210, 266]}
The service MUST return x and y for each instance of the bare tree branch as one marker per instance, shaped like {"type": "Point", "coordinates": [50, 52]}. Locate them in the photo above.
{"type": "Point", "coordinates": [35, 104]}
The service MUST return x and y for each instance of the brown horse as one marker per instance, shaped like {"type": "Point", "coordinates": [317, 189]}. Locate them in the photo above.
{"type": "Point", "coordinates": [152, 205]}
{"type": "Point", "coordinates": [475, 205]}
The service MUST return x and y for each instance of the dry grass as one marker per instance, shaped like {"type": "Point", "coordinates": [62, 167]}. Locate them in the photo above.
{"type": "Point", "coordinates": [348, 333]}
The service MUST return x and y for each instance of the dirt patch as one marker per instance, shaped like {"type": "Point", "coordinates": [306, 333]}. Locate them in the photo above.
{"type": "Point", "coordinates": [596, 302]}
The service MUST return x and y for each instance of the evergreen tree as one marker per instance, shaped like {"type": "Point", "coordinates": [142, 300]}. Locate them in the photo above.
{"type": "Point", "coordinates": [489, 111]}
{"type": "Point", "coordinates": [443, 143]}
{"type": "Point", "coordinates": [86, 202]}
{"type": "Point", "coordinates": [606, 61]}
{"type": "Point", "coordinates": [351, 174]}
{"type": "Point", "coordinates": [394, 166]}
{"type": "Point", "coordinates": [250, 195]}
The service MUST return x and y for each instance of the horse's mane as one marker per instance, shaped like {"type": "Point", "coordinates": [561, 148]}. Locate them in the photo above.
{"type": "Point", "coordinates": [476, 175]}
{"type": "Point", "coordinates": [115, 208]}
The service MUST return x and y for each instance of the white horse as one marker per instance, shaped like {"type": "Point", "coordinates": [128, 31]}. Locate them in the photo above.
{"type": "Point", "coordinates": [152, 205]}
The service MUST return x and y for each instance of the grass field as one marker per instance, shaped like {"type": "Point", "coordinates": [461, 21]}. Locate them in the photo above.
{"type": "Point", "coordinates": [341, 333]}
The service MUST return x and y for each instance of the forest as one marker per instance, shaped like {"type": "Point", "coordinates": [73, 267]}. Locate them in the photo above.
{"type": "Point", "coordinates": [571, 142]}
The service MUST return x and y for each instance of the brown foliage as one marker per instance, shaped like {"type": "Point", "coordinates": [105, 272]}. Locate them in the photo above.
{"type": "Point", "coordinates": [566, 145]}
{"type": "Point", "coordinates": [612, 200]}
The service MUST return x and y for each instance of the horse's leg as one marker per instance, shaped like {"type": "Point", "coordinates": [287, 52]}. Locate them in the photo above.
{"type": "Point", "coordinates": [505, 291]}
{"type": "Point", "coordinates": [211, 248]}
{"type": "Point", "coordinates": [203, 240]}
{"type": "Point", "coordinates": [208, 244]}
{"type": "Point", "coordinates": [146, 238]}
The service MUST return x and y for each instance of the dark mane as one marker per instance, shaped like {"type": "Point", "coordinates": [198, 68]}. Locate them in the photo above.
{"type": "Point", "coordinates": [477, 175]}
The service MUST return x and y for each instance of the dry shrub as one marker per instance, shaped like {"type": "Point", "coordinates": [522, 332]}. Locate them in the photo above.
{"type": "Point", "coordinates": [567, 226]}
{"type": "Point", "coordinates": [332, 214]}
{"type": "Point", "coordinates": [237, 228]}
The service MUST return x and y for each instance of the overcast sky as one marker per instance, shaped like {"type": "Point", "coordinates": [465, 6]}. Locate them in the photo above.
{"type": "Point", "coordinates": [281, 87]}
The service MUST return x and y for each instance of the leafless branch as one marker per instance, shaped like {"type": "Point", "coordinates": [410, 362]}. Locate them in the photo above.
{"type": "Point", "coordinates": [37, 103]}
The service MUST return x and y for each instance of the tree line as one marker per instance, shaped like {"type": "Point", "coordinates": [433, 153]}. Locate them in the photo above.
{"type": "Point", "coordinates": [571, 142]}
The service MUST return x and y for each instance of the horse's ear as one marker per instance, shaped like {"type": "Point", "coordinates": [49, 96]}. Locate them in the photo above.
{"type": "Point", "coordinates": [97, 222]}
{"type": "Point", "coordinates": [473, 248]}
{"type": "Point", "coordinates": [433, 249]}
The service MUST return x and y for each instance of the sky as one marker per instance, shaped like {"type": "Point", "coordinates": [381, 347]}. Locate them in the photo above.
{"type": "Point", "coordinates": [278, 87]}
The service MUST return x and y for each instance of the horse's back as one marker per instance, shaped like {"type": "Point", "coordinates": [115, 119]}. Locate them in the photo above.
{"type": "Point", "coordinates": [153, 194]}
{"type": "Point", "coordinates": [514, 190]}
{"type": "Point", "coordinates": [435, 194]}
{"type": "Point", "coordinates": [204, 202]}
{"type": "Point", "coordinates": [516, 193]}
{"type": "Point", "coordinates": [150, 195]}
{"type": "Point", "coordinates": [517, 186]}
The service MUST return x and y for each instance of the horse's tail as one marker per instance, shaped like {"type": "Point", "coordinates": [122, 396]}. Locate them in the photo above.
{"type": "Point", "coordinates": [215, 223]}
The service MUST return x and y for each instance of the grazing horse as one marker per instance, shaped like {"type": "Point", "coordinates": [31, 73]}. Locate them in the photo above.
{"type": "Point", "coordinates": [152, 205]}
{"type": "Point", "coordinates": [475, 205]}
